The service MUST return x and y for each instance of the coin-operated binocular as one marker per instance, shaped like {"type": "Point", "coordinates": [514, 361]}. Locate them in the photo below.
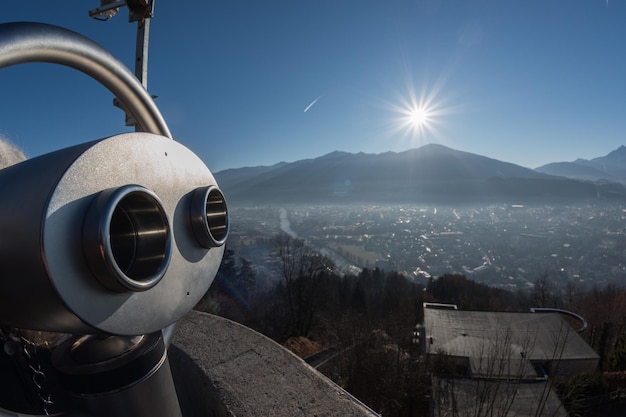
{"type": "Point", "coordinates": [111, 241]}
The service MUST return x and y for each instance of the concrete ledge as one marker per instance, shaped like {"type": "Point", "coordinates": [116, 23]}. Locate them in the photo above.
{"type": "Point", "coordinates": [224, 369]}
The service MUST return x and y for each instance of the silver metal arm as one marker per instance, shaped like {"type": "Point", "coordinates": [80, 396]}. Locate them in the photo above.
{"type": "Point", "coordinates": [38, 42]}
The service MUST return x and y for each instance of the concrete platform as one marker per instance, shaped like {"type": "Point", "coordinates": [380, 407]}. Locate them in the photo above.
{"type": "Point", "coordinates": [222, 369]}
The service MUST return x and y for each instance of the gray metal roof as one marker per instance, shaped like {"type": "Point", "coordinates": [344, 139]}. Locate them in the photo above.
{"type": "Point", "coordinates": [503, 342]}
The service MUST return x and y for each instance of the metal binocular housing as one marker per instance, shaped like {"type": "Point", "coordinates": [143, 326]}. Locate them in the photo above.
{"type": "Point", "coordinates": [111, 241]}
{"type": "Point", "coordinates": [118, 236]}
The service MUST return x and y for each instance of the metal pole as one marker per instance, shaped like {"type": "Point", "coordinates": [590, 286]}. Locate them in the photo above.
{"type": "Point", "coordinates": [141, 53]}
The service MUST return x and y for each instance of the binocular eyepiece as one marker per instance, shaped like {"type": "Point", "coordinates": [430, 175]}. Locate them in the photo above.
{"type": "Point", "coordinates": [129, 228]}
{"type": "Point", "coordinates": [118, 236]}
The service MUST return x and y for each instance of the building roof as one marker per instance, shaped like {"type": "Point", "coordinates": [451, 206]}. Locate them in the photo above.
{"type": "Point", "coordinates": [503, 342]}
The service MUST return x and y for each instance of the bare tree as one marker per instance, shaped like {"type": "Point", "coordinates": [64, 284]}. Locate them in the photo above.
{"type": "Point", "coordinates": [300, 267]}
{"type": "Point", "coordinates": [543, 292]}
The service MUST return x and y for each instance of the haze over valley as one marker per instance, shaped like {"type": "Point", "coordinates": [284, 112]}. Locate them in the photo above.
{"type": "Point", "coordinates": [432, 211]}
{"type": "Point", "coordinates": [503, 246]}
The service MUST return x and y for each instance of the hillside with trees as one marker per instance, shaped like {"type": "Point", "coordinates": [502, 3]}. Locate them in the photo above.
{"type": "Point", "coordinates": [363, 324]}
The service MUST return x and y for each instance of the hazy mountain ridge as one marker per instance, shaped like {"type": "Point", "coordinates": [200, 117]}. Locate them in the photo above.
{"type": "Point", "coordinates": [429, 174]}
{"type": "Point", "coordinates": [611, 167]}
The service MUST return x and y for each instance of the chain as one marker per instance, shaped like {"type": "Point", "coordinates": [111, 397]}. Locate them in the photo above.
{"type": "Point", "coordinates": [39, 378]}
{"type": "Point", "coordinates": [24, 352]}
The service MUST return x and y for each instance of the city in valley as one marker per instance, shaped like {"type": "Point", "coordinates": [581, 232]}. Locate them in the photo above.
{"type": "Point", "coordinates": [505, 246]}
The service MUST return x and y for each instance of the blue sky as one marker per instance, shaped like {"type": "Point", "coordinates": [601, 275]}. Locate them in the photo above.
{"type": "Point", "coordinates": [528, 82]}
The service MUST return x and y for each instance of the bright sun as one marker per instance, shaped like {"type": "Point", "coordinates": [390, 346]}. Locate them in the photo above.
{"type": "Point", "coordinates": [418, 117]}
{"type": "Point", "coordinates": [418, 113]}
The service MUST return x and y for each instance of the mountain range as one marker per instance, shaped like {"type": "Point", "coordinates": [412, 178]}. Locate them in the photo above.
{"type": "Point", "coordinates": [611, 167]}
{"type": "Point", "coordinates": [431, 174]}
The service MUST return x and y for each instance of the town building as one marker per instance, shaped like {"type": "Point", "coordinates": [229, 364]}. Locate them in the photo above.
{"type": "Point", "coordinates": [500, 360]}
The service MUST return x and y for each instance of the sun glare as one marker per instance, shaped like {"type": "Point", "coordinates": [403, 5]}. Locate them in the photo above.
{"type": "Point", "coordinates": [418, 117]}
{"type": "Point", "coordinates": [418, 113]}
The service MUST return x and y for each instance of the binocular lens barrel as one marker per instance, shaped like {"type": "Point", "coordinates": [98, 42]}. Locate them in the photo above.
{"type": "Point", "coordinates": [209, 216]}
{"type": "Point", "coordinates": [127, 238]}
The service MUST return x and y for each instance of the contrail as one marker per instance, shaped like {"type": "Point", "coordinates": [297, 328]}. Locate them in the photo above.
{"type": "Point", "coordinates": [311, 105]}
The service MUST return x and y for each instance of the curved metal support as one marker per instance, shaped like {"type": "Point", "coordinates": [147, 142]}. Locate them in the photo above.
{"type": "Point", "coordinates": [565, 312]}
{"type": "Point", "coordinates": [38, 42]}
